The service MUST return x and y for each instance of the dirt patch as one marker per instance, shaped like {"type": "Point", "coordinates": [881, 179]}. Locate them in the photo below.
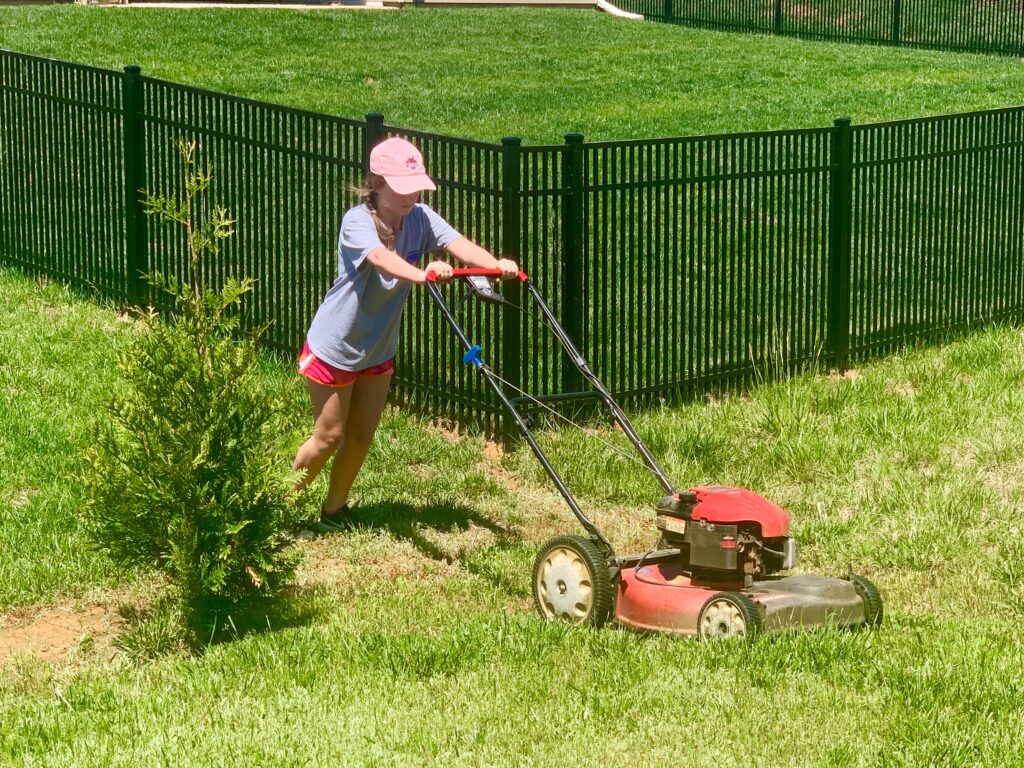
{"type": "Point", "coordinates": [850, 374]}
{"type": "Point", "coordinates": [449, 432]}
{"type": "Point", "coordinates": [324, 563]}
{"type": "Point", "coordinates": [51, 310]}
{"type": "Point", "coordinates": [347, 568]}
{"type": "Point", "coordinates": [903, 389]}
{"type": "Point", "coordinates": [508, 480]}
{"type": "Point", "coordinates": [21, 497]}
{"type": "Point", "coordinates": [1005, 481]}
{"type": "Point", "coordinates": [421, 471]}
{"type": "Point", "coordinates": [55, 633]}
{"type": "Point", "coordinates": [962, 455]}
{"type": "Point", "coordinates": [544, 515]}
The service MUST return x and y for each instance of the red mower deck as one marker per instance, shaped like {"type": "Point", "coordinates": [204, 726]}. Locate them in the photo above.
{"type": "Point", "coordinates": [664, 598]}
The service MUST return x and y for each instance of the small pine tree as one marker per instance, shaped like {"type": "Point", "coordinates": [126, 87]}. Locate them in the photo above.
{"type": "Point", "coordinates": [184, 475]}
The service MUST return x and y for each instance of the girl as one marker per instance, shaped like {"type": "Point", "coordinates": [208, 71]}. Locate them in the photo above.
{"type": "Point", "coordinates": [349, 354]}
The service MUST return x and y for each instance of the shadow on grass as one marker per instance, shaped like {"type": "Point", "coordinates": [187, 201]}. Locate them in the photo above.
{"type": "Point", "coordinates": [294, 606]}
{"type": "Point", "coordinates": [423, 525]}
{"type": "Point", "coordinates": [298, 606]}
{"type": "Point", "coordinates": [161, 628]}
{"type": "Point", "coordinates": [415, 524]}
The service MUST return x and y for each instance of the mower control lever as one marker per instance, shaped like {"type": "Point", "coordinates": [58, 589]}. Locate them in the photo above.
{"type": "Point", "coordinates": [482, 288]}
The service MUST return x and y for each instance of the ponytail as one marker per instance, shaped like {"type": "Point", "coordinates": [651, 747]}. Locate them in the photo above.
{"type": "Point", "coordinates": [367, 194]}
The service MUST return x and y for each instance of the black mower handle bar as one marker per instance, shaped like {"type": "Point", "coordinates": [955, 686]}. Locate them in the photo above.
{"type": "Point", "coordinates": [474, 272]}
{"type": "Point", "coordinates": [473, 356]}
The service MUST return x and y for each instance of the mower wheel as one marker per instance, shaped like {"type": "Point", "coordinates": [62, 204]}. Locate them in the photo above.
{"type": "Point", "coordinates": [571, 582]}
{"type": "Point", "coordinates": [872, 600]}
{"type": "Point", "coordinates": [728, 614]}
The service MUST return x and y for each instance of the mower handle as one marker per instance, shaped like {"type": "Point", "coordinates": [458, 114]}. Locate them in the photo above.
{"type": "Point", "coordinates": [569, 346]}
{"type": "Point", "coordinates": [473, 272]}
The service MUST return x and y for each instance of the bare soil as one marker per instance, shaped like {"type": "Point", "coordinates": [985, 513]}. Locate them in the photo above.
{"type": "Point", "coordinates": [60, 632]}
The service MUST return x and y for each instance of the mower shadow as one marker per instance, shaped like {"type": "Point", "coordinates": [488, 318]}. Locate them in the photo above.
{"type": "Point", "coordinates": [415, 524]}
{"type": "Point", "coordinates": [443, 532]}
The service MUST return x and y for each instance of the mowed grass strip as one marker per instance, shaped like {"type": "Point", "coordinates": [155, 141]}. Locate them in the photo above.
{"type": "Point", "coordinates": [534, 73]}
{"type": "Point", "coordinates": [410, 641]}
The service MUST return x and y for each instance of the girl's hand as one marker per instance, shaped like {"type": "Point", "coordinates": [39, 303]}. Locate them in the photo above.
{"type": "Point", "coordinates": [442, 269]}
{"type": "Point", "coordinates": [509, 268]}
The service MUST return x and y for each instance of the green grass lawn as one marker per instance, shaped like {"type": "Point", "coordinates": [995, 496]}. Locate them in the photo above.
{"type": "Point", "coordinates": [534, 73]}
{"type": "Point", "coordinates": [410, 641]}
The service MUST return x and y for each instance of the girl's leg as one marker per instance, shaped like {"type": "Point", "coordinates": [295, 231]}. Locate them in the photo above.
{"type": "Point", "coordinates": [369, 395]}
{"type": "Point", "coordinates": [330, 409]}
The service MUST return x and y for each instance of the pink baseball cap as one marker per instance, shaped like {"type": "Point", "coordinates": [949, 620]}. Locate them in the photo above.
{"type": "Point", "coordinates": [401, 165]}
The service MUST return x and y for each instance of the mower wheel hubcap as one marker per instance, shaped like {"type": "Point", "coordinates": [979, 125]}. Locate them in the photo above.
{"type": "Point", "coordinates": [565, 585]}
{"type": "Point", "coordinates": [723, 619]}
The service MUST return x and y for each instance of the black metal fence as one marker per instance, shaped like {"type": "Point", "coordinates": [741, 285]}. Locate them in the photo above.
{"type": "Point", "coordinates": [982, 26]}
{"type": "Point", "coordinates": [62, 184]}
{"type": "Point", "coordinates": [674, 263]}
{"type": "Point", "coordinates": [937, 226]}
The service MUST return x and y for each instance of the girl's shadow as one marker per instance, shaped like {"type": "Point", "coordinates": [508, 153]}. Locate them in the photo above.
{"type": "Point", "coordinates": [415, 523]}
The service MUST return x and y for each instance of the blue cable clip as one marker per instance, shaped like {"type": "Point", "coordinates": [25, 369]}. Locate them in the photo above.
{"type": "Point", "coordinates": [473, 356]}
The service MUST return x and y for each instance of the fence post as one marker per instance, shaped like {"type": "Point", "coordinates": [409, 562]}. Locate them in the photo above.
{"type": "Point", "coordinates": [136, 239]}
{"type": "Point", "coordinates": [839, 242]}
{"type": "Point", "coordinates": [897, 18]}
{"type": "Point", "coordinates": [572, 262]}
{"type": "Point", "coordinates": [778, 17]}
{"type": "Point", "coordinates": [511, 323]}
{"type": "Point", "coordinates": [373, 132]}
{"type": "Point", "coordinates": [670, 11]}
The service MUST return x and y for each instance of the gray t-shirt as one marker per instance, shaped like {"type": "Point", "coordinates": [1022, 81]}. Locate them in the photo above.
{"type": "Point", "coordinates": [357, 324]}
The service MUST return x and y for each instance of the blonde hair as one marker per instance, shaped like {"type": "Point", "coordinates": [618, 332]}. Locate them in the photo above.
{"type": "Point", "coordinates": [367, 193]}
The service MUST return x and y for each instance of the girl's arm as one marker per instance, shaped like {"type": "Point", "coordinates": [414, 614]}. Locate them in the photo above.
{"type": "Point", "coordinates": [391, 264]}
{"type": "Point", "coordinates": [468, 252]}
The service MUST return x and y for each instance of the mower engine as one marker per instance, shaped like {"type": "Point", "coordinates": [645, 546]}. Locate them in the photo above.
{"type": "Point", "coordinates": [729, 534]}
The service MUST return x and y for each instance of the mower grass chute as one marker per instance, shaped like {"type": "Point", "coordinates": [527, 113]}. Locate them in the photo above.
{"type": "Point", "coordinates": [714, 572]}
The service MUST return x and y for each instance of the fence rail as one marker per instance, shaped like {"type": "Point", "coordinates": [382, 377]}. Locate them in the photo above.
{"type": "Point", "coordinates": [672, 262]}
{"type": "Point", "coordinates": [979, 26]}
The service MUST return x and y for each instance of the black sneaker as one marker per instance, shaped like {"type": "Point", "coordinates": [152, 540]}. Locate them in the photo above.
{"type": "Point", "coordinates": [330, 522]}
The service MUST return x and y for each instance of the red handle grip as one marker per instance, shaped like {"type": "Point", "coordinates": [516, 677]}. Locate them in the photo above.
{"type": "Point", "coordinates": [472, 272]}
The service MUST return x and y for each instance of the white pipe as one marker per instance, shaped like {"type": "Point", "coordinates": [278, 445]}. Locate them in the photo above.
{"type": "Point", "coordinates": [604, 5]}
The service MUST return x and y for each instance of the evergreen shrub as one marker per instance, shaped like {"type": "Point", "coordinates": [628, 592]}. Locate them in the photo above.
{"type": "Point", "coordinates": [185, 475]}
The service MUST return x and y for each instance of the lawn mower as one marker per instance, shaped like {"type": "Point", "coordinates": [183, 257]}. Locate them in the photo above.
{"type": "Point", "coordinates": [714, 571]}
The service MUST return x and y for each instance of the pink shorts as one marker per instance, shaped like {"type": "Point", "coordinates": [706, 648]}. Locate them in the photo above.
{"type": "Point", "coordinates": [315, 369]}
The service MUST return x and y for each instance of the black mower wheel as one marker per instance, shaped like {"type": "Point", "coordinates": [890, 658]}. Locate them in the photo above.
{"type": "Point", "coordinates": [571, 582]}
{"type": "Point", "coordinates": [728, 615]}
{"type": "Point", "coordinates": [872, 600]}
